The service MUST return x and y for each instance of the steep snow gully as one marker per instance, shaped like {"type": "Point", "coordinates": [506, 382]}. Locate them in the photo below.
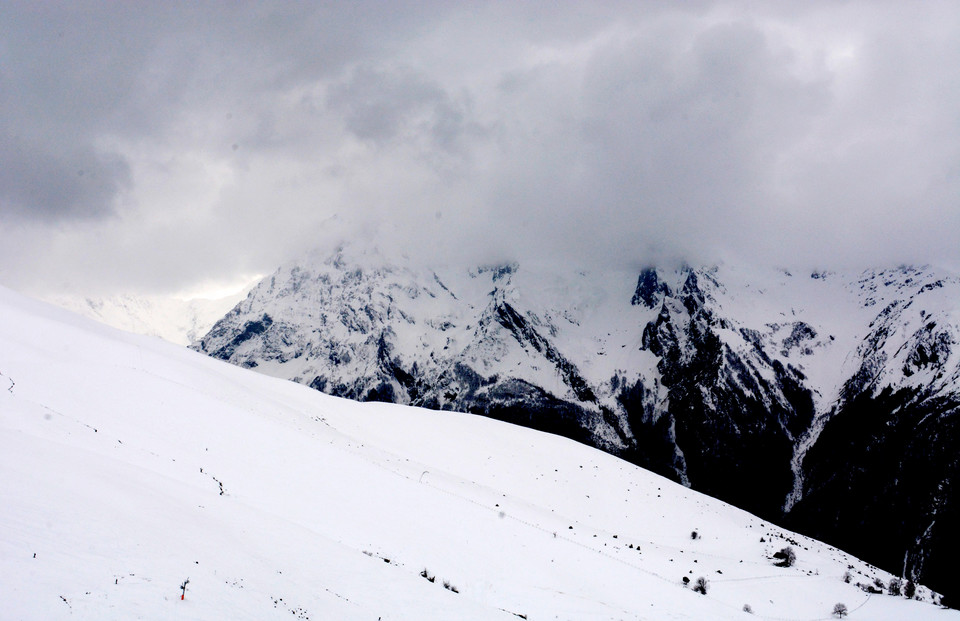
{"type": "Point", "coordinates": [822, 400]}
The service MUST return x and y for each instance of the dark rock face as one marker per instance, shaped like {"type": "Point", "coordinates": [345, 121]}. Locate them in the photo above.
{"type": "Point", "coordinates": [250, 329]}
{"type": "Point", "coordinates": [650, 289]}
{"type": "Point", "coordinates": [882, 482]}
{"type": "Point", "coordinates": [881, 478]}
{"type": "Point", "coordinates": [701, 378]}
{"type": "Point", "coordinates": [735, 428]}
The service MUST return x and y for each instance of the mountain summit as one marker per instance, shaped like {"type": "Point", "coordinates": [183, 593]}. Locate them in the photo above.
{"type": "Point", "coordinates": [823, 399]}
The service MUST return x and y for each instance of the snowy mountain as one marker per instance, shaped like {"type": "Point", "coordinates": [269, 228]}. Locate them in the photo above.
{"type": "Point", "coordinates": [172, 319]}
{"type": "Point", "coordinates": [823, 399]}
{"type": "Point", "coordinates": [133, 469]}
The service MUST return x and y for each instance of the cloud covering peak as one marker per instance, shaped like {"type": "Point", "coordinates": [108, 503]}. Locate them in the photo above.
{"type": "Point", "coordinates": [153, 147]}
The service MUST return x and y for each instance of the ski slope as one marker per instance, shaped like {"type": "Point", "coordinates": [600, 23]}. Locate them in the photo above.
{"type": "Point", "coordinates": [129, 465]}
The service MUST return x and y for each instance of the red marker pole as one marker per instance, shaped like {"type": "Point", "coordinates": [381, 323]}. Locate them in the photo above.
{"type": "Point", "coordinates": [183, 587]}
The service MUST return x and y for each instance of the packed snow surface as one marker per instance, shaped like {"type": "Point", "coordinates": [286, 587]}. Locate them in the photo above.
{"type": "Point", "coordinates": [128, 466]}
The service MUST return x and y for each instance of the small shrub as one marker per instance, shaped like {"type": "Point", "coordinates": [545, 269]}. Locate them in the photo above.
{"type": "Point", "coordinates": [840, 610]}
{"type": "Point", "coordinates": [847, 577]}
{"type": "Point", "coordinates": [747, 609]}
{"type": "Point", "coordinates": [686, 581]}
{"type": "Point", "coordinates": [786, 557]}
{"type": "Point", "coordinates": [877, 582]}
{"type": "Point", "coordinates": [895, 586]}
{"type": "Point", "coordinates": [910, 589]}
{"type": "Point", "coordinates": [701, 586]}
{"type": "Point", "coordinates": [694, 535]}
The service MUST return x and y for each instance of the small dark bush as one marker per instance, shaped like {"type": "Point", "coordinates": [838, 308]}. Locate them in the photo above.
{"type": "Point", "coordinates": [701, 585]}
{"type": "Point", "coordinates": [840, 610]}
{"type": "Point", "coordinates": [786, 557]}
{"type": "Point", "coordinates": [847, 577]}
{"type": "Point", "coordinates": [747, 609]}
{"type": "Point", "coordinates": [910, 589]}
{"type": "Point", "coordinates": [895, 586]}
{"type": "Point", "coordinates": [694, 535]}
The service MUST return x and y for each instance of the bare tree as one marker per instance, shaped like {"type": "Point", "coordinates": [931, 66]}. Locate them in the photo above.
{"type": "Point", "coordinates": [840, 610]}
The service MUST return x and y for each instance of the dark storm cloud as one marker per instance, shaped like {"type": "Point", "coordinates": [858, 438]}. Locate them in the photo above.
{"type": "Point", "coordinates": [670, 137]}
{"type": "Point", "coordinates": [75, 77]}
{"type": "Point", "coordinates": [50, 184]}
{"type": "Point", "coordinates": [735, 137]}
{"type": "Point", "coordinates": [52, 109]}
{"type": "Point", "coordinates": [161, 144]}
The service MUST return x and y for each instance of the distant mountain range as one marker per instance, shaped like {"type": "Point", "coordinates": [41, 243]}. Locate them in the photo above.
{"type": "Point", "coordinates": [824, 400]}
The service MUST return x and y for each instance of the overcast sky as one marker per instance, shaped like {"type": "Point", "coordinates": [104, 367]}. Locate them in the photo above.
{"type": "Point", "coordinates": [163, 147]}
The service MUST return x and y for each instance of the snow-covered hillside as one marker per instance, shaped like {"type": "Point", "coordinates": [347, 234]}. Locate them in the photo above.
{"type": "Point", "coordinates": [130, 465]}
{"type": "Point", "coordinates": [180, 321]}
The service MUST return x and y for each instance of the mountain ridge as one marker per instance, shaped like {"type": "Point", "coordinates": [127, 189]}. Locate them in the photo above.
{"type": "Point", "coordinates": [723, 378]}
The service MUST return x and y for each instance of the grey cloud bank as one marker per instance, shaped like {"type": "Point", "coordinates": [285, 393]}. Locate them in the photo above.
{"type": "Point", "coordinates": [160, 146]}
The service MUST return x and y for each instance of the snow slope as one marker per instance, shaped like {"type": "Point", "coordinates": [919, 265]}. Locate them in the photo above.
{"type": "Point", "coordinates": [129, 465]}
